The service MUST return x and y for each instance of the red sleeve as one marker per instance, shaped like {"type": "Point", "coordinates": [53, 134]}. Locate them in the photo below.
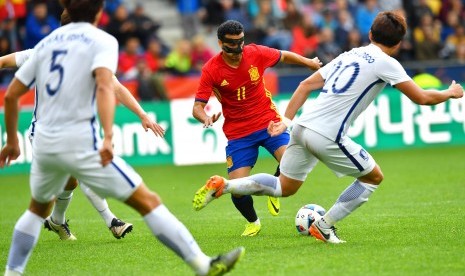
{"type": "Point", "coordinates": [205, 85]}
{"type": "Point", "coordinates": [270, 56]}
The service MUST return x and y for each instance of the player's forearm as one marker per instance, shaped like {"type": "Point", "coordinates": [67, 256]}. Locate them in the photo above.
{"type": "Point", "coordinates": [127, 99]}
{"type": "Point", "coordinates": [105, 100]}
{"type": "Point", "coordinates": [106, 110]}
{"type": "Point", "coordinates": [11, 105]}
{"type": "Point", "coordinates": [297, 101]}
{"type": "Point", "coordinates": [8, 61]}
{"type": "Point", "coordinates": [432, 97]}
{"type": "Point", "coordinates": [293, 58]}
{"type": "Point", "coordinates": [198, 112]}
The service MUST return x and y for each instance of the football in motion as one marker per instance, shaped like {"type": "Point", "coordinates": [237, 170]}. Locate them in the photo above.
{"type": "Point", "coordinates": [306, 216]}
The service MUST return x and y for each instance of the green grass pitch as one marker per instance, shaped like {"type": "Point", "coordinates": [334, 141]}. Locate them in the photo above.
{"type": "Point", "coordinates": [413, 224]}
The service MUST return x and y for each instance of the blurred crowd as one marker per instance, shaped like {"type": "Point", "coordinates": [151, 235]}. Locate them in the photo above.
{"type": "Point", "coordinates": [322, 28]}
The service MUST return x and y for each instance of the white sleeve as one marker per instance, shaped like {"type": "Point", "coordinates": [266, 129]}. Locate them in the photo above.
{"type": "Point", "coordinates": [106, 54]}
{"type": "Point", "coordinates": [27, 73]}
{"type": "Point", "coordinates": [328, 68]}
{"type": "Point", "coordinates": [22, 56]}
{"type": "Point", "coordinates": [391, 71]}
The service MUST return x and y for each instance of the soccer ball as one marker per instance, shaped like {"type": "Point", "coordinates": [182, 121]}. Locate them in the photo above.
{"type": "Point", "coordinates": [306, 216]}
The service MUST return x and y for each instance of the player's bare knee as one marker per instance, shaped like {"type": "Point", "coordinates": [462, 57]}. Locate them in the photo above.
{"type": "Point", "coordinates": [143, 200]}
{"type": "Point", "coordinates": [71, 184]}
{"type": "Point", "coordinates": [41, 209]}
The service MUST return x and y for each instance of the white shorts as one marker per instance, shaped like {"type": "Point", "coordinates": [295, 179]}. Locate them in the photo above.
{"type": "Point", "coordinates": [50, 172]}
{"type": "Point", "coordinates": [307, 147]}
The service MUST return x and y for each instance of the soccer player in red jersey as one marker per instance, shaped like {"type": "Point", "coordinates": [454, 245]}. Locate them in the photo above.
{"type": "Point", "coordinates": [235, 76]}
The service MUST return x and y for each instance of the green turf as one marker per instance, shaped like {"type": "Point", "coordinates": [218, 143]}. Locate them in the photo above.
{"type": "Point", "coordinates": [413, 224]}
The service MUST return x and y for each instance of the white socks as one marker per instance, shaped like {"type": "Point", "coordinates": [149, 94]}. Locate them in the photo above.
{"type": "Point", "coordinates": [61, 204]}
{"type": "Point", "coordinates": [349, 200]}
{"type": "Point", "coordinates": [100, 204]}
{"type": "Point", "coordinates": [257, 184]}
{"type": "Point", "coordinates": [25, 236]}
{"type": "Point", "coordinates": [173, 234]}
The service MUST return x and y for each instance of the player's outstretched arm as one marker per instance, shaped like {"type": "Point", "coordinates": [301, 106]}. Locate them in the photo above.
{"type": "Point", "coordinates": [11, 149]}
{"type": "Point", "coordinates": [126, 98]}
{"type": "Point", "coordinates": [429, 96]}
{"type": "Point", "coordinates": [293, 58]}
{"type": "Point", "coordinates": [106, 111]}
{"type": "Point", "coordinates": [8, 61]}
{"type": "Point", "coordinates": [198, 111]}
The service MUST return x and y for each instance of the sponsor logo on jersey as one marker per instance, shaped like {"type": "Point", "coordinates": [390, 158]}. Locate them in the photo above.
{"type": "Point", "coordinates": [224, 83]}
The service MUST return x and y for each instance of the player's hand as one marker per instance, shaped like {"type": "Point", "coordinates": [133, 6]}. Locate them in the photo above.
{"type": "Point", "coordinates": [210, 120]}
{"type": "Point", "coordinates": [148, 123]}
{"type": "Point", "coordinates": [315, 63]}
{"type": "Point", "coordinates": [9, 153]}
{"type": "Point", "coordinates": [276, 128]}
{"type": "Point", "coordinates": [456, 90]}
{"type": "Point", "coordinates": [106, 152]}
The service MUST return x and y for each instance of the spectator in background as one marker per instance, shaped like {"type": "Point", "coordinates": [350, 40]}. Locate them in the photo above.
{"type": "Point", "coordinates": [200, 54]}
{"type": "Point", "coordinates": [234, 10]}
{"type": "Point", "coordinates": [155, 55]}
{"type": "Point", "coordinates": [420, 8]}
{"type": "Point", "coordinates": [448, 27]}
{"type": "Point", "coordinates": [128, 58]}
{"type": "Point", "coordinates": [270, 28]}
{"type": "Point", "coordinates": [345, 24]}
{"type": "Point", "coordinates": [190, 12]}
{"type": "Point", "coordinates": [327, 49]}
{"type": "Point", "coordinates": [150, 85]}
{"type": "Point", "coordinates": [455, 44]}
{"type": "Point", "coordinates": [5, 48]}
{"type": "Point", "coordinates": [390, 5]}
{"type": "Point", "coordinates": [354, 40]}
{"type": "Point", "coordinates": [39, 24]}
{"type": "Point", "coordinates": [120, 26]}
{"type": "Point", "coordinates": [451, 5]}
{"type": "Point", "coordinates": [328, 20]}
{"type": "Point", "coordinates": [212, 13]}
{"type": "Point", "coordinates": [292, 15]}
{"type": "Point", "coordinates": [365, 16]}
{"type": "Point", "coordinates": [112, 5]}
{"type": "Point", "coordinates": [150, 73]}
{"type": "Point", "coordinates": [305, 38]}
{"type": "Point", "coordinates": [178, 62]}
{"type": "Point", "coordinates": [12, 22]}
{"type": "Point", "coordinates": [429, 46]}
{"type": "Point", "coordinates": [427, 25]}
{"type": "Point", "coordinates": [145, 27]}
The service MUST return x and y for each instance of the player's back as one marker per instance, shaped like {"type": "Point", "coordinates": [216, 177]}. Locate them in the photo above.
{"type": "Point", "coordinates": [65, 86]}
{"type": "Point", "coordinates": [352, 81]}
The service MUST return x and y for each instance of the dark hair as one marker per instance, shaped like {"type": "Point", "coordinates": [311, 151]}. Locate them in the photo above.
{"type": "Point", "coordinates": [231, 27]}
{"type": "Point", "coordinates": [388, 28]}
{"type": "Point", "coordinates": [83, 10]}
{"type": "Point", "coordinates": [64, 18]}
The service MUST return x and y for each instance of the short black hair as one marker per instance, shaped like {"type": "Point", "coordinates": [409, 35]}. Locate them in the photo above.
{"type": "Point", "coordinates": [388, 28]}
{"type": "Point", "coordinates": [83, 10]}
{"type": "Point", "coordinates": [230, 27]}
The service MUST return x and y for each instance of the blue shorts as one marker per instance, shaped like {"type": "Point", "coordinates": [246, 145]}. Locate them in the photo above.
{"type": "Point", "coordinates": [243, 152]}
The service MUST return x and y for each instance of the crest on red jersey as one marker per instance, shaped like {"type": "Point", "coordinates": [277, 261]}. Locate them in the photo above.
{"type": "Point", "coordinates": [254, 75]}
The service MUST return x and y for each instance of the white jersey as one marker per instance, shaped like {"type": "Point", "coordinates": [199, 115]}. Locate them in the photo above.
{"type": "Point", "coordinates": [22, 56]}
{"type": "Point", "coordinates": [61, 66]}
{"type": "Point", "coordinates": [352, 81]}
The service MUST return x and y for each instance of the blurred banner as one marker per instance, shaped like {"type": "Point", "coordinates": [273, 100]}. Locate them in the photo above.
{"type": "Point", "coordinates": [391, 122]}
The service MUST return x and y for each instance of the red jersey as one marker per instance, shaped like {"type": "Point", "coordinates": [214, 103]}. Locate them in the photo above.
{"type": "Point", "coordinates": [247, 105]}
